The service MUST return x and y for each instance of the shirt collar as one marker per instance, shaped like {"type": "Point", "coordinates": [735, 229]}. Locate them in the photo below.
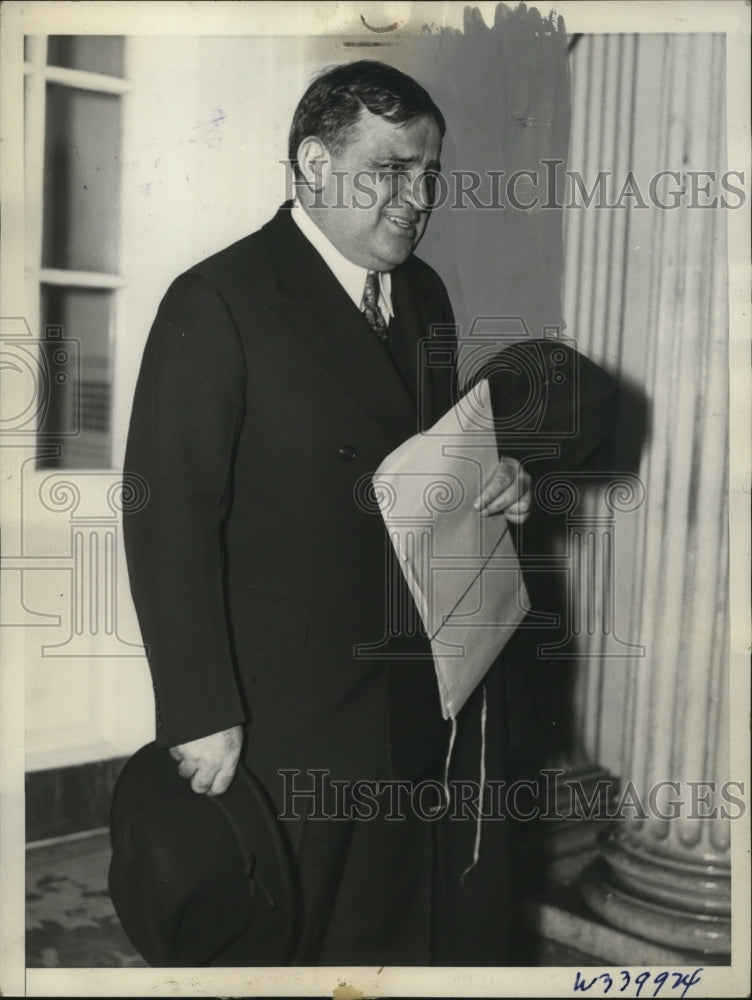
{"type": "Point", "coordinates": [349, 275]}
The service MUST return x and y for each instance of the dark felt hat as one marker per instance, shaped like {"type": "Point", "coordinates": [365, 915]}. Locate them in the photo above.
{"type": "Point", "coordinates": [196, 879]}
{"type": "Point", "coordinates": [546, 394]}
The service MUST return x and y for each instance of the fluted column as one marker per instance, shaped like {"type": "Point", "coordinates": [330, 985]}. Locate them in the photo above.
{"type": "Point", "coordinates": [664, 872]}
{"type": "Point", "coordinates": [666, 876]}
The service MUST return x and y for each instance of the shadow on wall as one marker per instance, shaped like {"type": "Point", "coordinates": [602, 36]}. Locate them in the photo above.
{"type": "Point", "coordinates": [543, 727]}
{"type": "Point", "coordinates": [504, 91]}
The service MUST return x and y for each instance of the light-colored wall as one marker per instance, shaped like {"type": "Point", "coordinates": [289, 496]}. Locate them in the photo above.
{"type": "Point", "coordinates": [206, 125]}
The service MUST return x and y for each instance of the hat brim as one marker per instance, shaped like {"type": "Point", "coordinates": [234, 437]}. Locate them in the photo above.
{"type": "Point", "coordinates": [174, 849]}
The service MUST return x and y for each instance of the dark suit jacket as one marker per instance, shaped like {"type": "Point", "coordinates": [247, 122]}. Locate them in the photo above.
{"type": "Point", "coordinates": [263, 400]}
{"type": "Point", "coordinates": [257, 566]}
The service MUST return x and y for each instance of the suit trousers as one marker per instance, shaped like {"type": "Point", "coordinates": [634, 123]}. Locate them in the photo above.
{"type": "Point", "coordinates": [366, 891]}
{"type": "Point", "coordinates": [395, 889]}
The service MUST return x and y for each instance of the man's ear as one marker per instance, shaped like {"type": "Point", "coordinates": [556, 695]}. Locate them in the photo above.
{"type": "Point", "coordinates": [314, 163]}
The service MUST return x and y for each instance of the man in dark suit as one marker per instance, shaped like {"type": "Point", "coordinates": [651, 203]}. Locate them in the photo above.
{"type": "Point", "coordinates": [277, 376]}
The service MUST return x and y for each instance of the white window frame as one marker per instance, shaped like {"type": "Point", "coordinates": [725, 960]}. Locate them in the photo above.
{"type": "Point", "coordinates": [37, 75]}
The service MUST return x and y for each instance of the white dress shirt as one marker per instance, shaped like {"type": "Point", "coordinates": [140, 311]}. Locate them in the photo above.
{"type": "Point", "coordinates": [349, 275]}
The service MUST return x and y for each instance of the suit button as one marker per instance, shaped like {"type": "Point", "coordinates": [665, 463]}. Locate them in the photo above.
{"type": "Point", "coordinates": [348, 453]}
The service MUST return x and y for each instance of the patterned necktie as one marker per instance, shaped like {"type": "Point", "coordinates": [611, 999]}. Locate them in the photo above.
{"type": "Point", "coordinates": [370, 306]}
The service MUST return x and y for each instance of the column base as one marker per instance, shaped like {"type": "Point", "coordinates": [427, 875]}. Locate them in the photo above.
{"type": "Point", "coordinates": [677, 902]}
{"type": "Point", "coordinates": [561, 917]}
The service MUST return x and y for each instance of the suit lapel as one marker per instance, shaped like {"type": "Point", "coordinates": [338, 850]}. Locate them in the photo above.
{"type": "Point", "coordinates": [414, 316]}
{"type": "Point", "coordinates": [314, 308]}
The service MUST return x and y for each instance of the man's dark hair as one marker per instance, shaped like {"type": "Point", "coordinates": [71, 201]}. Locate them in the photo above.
{"type": "Point", "coordinates": [333, 103]}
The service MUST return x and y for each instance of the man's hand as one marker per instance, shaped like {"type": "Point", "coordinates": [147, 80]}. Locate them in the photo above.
{"type": "Point", "coordinates": [507, 492]}
{"type": "Point", "coordinates": [210, 762]}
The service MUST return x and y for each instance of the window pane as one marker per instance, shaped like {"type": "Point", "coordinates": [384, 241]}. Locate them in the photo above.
{"type": "Point", "coordinates": [81, 179]}
{"type": "Point", "coordinates": [96, 53]}
{"type": "Point", "coordinates": [76, 353]}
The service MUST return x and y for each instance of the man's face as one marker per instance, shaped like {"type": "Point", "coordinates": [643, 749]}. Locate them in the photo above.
{"type": "Point", "coordinates": [374, 204]}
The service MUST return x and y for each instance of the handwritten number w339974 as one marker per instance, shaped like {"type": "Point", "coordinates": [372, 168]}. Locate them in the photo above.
{"type": "Point", "coordinates": [622, 980]}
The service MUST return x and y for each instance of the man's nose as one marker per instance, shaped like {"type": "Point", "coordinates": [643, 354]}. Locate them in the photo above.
{"type": "Point", "coordinates": [413, 191]}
